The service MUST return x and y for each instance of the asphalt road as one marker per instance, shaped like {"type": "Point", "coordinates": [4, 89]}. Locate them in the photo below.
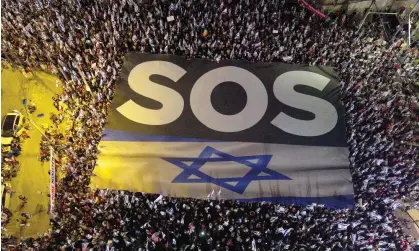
{"type": "Point", "coordinates": [32, 180]}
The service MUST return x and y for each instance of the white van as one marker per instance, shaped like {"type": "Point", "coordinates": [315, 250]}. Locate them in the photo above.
{"type": "Point", "coordinates": [13, 126]}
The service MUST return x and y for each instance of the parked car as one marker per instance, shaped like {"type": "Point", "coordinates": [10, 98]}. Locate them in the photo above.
{"type": "Point", "coordinates": [13, 126]}
{"type": "Point", "coordinates": [5, 195]}
{"type": "Point", "coordinates": [6, 214]}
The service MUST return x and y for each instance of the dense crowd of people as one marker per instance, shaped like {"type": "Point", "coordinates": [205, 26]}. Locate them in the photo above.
{"type": "Point", "coordinates": [84, 42]}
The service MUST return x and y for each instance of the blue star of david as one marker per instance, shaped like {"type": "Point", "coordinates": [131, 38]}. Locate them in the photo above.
{"type": "Point", "coordinates": [242, 182]}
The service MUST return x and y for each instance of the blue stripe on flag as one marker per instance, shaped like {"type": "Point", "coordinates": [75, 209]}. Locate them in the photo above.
{"type": "Point", "coordinates": [117, 135]}
{"type": "Point", "coordinates": [337, 202]}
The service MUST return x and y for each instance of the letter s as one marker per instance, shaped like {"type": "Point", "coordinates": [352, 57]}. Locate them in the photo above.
{"type": "Point", "coordinates": [325, 113]}
{"type": "Point", "coordinates": [139, 81]}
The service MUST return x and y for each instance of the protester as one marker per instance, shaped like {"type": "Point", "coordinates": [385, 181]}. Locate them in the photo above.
{"type": "Point", "coordinates": [84, 43]}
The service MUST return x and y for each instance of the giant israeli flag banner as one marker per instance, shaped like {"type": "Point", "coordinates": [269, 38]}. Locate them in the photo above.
{"type": "Point", "coordinates": [227, 130]}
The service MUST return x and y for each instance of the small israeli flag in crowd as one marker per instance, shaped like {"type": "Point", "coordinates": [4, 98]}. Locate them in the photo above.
{"type": "Point", "coordinates": [158, 199]}
{"type": "Point", "coordinates": [287, 231]}
{"type": "Point", "coordinates": [211, 194]}
{"type": "Point", "coordinates": [170, 211]}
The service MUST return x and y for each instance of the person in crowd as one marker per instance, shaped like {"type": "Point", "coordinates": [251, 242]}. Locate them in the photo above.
{"type": "Point", "coordinates": [84, 41]}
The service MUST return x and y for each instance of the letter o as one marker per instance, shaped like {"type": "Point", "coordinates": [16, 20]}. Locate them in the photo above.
{"type": "Point", "coordinates": [257, 99]}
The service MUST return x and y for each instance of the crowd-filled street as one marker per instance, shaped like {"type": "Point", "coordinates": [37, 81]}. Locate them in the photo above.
{"type": "Point", "coordinates": [84, 42]}
{"type": "Point", "coordinates": [32, 179]}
